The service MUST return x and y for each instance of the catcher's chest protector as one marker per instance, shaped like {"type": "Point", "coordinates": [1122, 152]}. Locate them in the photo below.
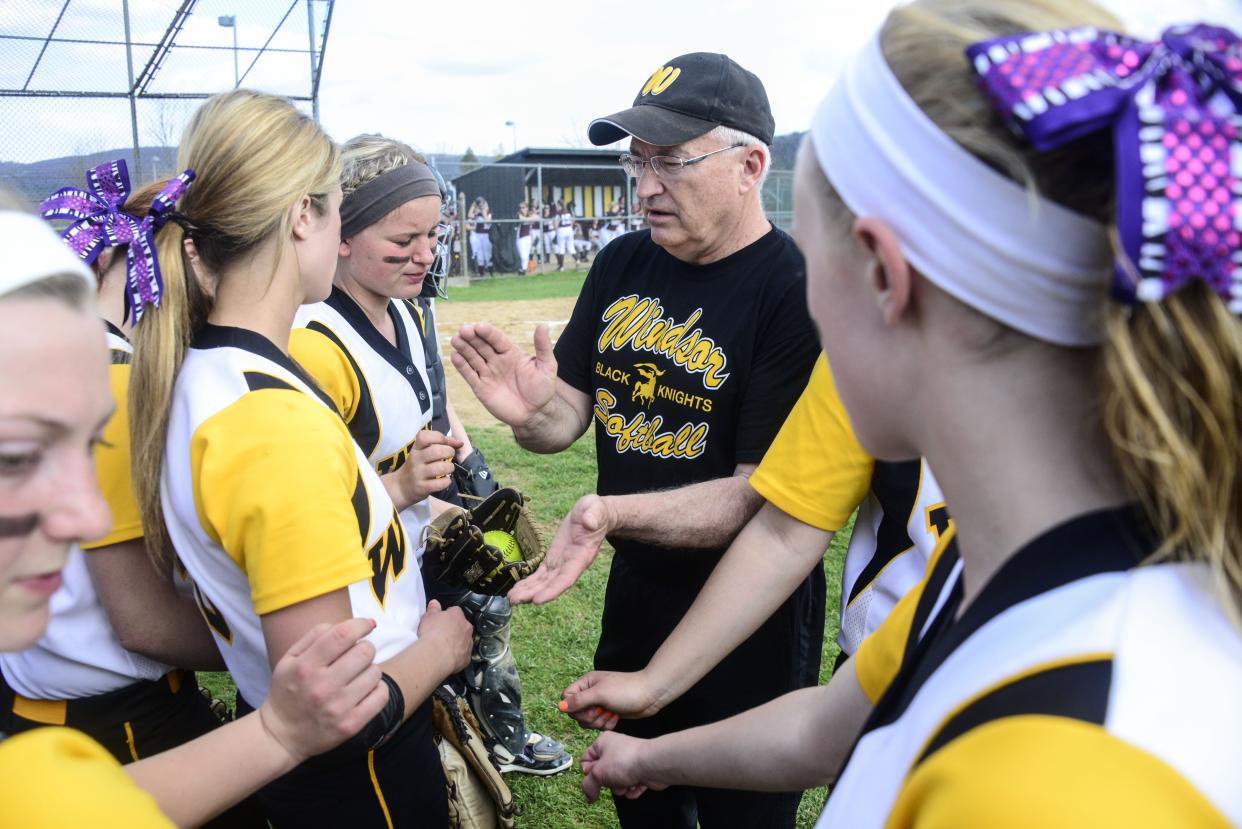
{"type": "Point", "coordinates": [435, 366]}
{"type": "Point", "coordinates": [388, 383]}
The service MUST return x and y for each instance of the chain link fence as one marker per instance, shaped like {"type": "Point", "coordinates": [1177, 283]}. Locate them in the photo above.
{"type": "Point", "coordinates": [589, 191]}
{"type": "Point", "coordinates": [86, 81]}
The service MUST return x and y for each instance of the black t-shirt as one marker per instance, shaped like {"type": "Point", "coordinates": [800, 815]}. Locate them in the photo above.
{"type": "Point", "coordinates": [691, 371]}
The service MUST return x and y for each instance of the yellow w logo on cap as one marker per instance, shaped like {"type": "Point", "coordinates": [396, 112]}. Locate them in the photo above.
{"type": "Point", "coordinates": [660, 80]}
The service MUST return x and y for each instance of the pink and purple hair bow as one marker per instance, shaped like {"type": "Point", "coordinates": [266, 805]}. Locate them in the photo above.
{"type": "Point", "coordinates": [97, 222]}
{"type": "Point", "coordinates": [1173, 109]}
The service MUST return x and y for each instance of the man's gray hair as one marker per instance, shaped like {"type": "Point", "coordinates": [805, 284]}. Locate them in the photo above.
{"type": "Point", "coordinates": [728, 136]}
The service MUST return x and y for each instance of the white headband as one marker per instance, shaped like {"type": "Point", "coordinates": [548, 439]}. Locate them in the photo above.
{"type": "Point", "coordinates": [1001, 249]}
{"type": "Point", "coordinates": [32, 251]}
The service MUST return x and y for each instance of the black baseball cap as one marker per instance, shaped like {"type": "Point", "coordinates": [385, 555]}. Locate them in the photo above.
{"type": "Point", "coordinates": [688, 97]}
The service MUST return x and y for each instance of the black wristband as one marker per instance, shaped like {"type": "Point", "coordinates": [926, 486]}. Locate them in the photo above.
{"type": "Point", "coordinates": [386, 723]}
{"type": "Point", "coordinates": [473, 476]}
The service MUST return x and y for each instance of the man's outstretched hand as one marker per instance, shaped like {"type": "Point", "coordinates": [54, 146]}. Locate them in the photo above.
{"type": "Point", "coordinates": [511, 384]}
{"type": "Point", "coordinates": [572, 550]}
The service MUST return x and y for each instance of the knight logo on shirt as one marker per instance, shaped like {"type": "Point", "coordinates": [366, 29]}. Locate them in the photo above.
{"type": "Point", "coordinates": [660, 80]}
{"type": "Point", "coordinates": [644, 389]}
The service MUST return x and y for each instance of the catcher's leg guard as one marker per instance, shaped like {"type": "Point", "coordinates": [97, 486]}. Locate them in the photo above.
{"type": "Point", "coordinates": [495, 692]}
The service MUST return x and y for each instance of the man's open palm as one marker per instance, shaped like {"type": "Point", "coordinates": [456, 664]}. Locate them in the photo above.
{"type": "Point", "coordinates": [510, 383]}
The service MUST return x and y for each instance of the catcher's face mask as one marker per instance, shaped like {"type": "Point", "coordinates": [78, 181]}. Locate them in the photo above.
{"type": "Point", "coordinates": [435, 283]}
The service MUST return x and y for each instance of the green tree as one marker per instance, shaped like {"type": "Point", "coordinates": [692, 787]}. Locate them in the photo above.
{"type": "Point", "coordinates": [469, 161]}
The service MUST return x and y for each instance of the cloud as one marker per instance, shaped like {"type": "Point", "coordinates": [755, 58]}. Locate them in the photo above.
{"type": "Point", "coordinates": [445, 80]}
{"type": "Point", "coordinates": [468, 67]}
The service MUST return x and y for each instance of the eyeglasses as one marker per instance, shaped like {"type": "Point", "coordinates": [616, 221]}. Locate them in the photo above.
{"type": "Point", "coordinates": [665, 166]}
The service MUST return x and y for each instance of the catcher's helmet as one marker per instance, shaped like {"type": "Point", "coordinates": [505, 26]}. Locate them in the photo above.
{"type": "Point", "coordinates": [435, 283]}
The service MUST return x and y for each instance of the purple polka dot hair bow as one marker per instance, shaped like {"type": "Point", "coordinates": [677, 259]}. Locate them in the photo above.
{"type": "Point", "coordinates": [97, 222]}
{"type": "Point", "coordinates": [1173, 110]}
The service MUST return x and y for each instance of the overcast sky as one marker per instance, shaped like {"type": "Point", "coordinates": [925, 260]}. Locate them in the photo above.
{"type": "Point", "coordinates": [443, 76]}
{"type": "Point", "coordinates": [551, 66]}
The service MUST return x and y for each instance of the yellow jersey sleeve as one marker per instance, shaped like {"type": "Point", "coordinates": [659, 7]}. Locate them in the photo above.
{"type": "Point", "coordinates": [1041, 771]}
{"type": "Point", "coordinates": [58, 777]}
{"type": "Point", "coordinates": [324, 361]}
{"type": "Point", "coordinates": [815, 469]}
{"type": "Point", "coordinates": [112, 468]}
{"type": "Point", "coordinates": [879, 656]}
{"type": "Point", "coordinates": [275, 479]}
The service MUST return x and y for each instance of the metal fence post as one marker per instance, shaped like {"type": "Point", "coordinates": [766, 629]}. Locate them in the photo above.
{"type": "Point", "coordinates": [310, 40]}
{"type": "Point", "coordinates": [543, 241]}
{"type": "Point", "coordinates": [133, 102]}
{"type": "Point", "coordinates": [629, 201]}
{"type": "Point", "coordinates": [461, 234]}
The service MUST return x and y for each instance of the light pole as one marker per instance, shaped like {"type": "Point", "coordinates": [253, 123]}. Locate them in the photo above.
{"type": "Point", "coordinates": [229, 21]}
{"type": "Point", "coordinates": [513, 124]}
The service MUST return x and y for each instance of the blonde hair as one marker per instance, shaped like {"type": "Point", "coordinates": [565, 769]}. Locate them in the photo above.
{"type": "Point", "coordinates": [255, 155]}
{"type": "Point", "coordinates": [10, 202]}
{"type": "Point", "coordinates": [1172, 377]}
{"type": "Point", "coordinates": [369, 156]}
{"type": "Point", "coordinates": [1172, 398]}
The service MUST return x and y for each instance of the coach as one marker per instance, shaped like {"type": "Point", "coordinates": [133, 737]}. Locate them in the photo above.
{"type": "Point", "coordinates": [688, 346]}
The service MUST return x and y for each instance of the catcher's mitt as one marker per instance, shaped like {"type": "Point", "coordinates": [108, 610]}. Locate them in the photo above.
{"type": "Point", "coordinates": [460, 557]}
{"type": "Point", "coordinates": [478, 796]}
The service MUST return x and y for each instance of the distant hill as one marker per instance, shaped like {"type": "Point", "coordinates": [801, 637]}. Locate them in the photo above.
{"type": "Point", "coordinates": [35, 181]}
{"type": "Point", "coordinates": [785, 150]}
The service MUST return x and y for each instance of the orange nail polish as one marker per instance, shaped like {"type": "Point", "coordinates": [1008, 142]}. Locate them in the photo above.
{"type": "Point", "coordinates": [563, 706]}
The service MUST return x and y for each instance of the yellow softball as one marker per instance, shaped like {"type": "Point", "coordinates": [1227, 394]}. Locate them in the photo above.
{"type": "Point", "coordinates": [504, 542]}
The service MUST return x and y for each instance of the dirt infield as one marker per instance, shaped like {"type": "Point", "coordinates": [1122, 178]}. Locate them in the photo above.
{"type": "Point", "coordinates": [517, 318]}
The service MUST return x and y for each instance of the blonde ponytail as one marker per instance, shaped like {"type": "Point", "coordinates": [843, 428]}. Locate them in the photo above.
{"type": "Point", "coordinates": [160, 342]}
{"type": "Point", "coordinates": [1172, 404]}
{"type": "Point", "coordinates": [255, 155]}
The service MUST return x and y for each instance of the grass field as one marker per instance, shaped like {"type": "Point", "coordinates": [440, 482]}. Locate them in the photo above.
{"type": "Point", "coordinates": [528, 286]}
{"type": "Point", "coordinates": [566, 631]}
{"type": "Point", "coordinates": [554, 643]}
